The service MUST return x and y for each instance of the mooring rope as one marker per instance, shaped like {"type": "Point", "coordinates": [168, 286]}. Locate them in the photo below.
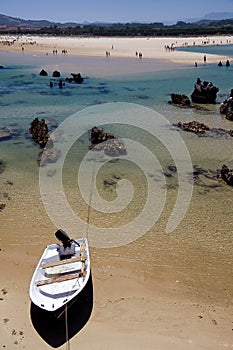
{"type": "Point", "coordinates": [89, 204]}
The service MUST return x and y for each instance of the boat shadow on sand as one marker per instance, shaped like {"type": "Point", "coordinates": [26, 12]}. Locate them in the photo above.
{"type": "Point", "coordinates": [52, 326]}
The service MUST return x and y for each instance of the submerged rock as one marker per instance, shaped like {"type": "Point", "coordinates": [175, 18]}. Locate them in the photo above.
{"type": "Point", "coordinates": [2, 166]}
{"type": "Point", "coordinates": [227, 175]}
{"type": "Point", "coordinates": [194, 126]}
{"type": "Point", "coordinates": [49, 155]}
{"type": "Point", "coordinates": [5, 134]}
{"type": "Point", "coordinates": [2, 206]}
{"type": "Point", "coordinates": [114, 147]}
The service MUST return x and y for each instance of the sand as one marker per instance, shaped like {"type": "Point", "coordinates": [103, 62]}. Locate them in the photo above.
{"type": "Point", "coordinates": [131, 310]}
{"type": "Point", "coordinates": [151, 48]}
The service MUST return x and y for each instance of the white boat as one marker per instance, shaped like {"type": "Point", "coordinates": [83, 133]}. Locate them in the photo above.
{"type": "Point", "coordinates": [61, 274]}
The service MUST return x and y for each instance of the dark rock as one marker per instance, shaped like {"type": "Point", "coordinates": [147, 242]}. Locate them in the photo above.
{"type": "Point", "coordinates": [229, 115]}
{"type": "Point", "coordinates": [109, 184]}
{"type": "Point", "coordinates": [111, 145]}
{"type": "Point", "coordinates": [97, 136]}
{"type": "Point", "coordinates": [204, 92]}
{"type": "Point", "coordinates": [39, 132]}
{"type": "Point", "coordinates": [56, 74]}
{"type": "Point", "coordinates": [76, 78]}
{"type": "Point", "coordinates": [172, 168]}
{"type": "Point", "coordinates": [227, 175]}
{"type": "Point", "coordinates": [2, 166]}
{"type": "Point", "coordinates": [181, 100]}
{"type": "Point", "coordinates": [1, 67]}
{"type": "Point", "coordinates": [226, 107]}
{"type": "Point", "coordinates": [43, 73]}
{"type": "Point", "coordinates": [2, 206]}
{"type": "Point", "coordinates": [194, 126]}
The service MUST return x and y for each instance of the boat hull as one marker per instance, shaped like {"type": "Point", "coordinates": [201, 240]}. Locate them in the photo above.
{"type": "Point", "coordinates": [56, 282]}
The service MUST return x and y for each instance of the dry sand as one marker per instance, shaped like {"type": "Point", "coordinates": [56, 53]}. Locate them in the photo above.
{"type": "Point", "coordinates": [117, 47]}
{"type": "Point", "coordinates": [131, 311]}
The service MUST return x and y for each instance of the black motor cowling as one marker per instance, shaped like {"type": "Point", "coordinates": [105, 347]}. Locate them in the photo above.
{"type": "Point", "coordinates": [63, 238]}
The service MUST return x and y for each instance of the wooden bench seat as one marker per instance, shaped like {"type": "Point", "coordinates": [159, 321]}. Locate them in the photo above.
{"type": "Point", "coordinates": [81, 258]}
{"type": "Point", "coordinates": [60, 279]}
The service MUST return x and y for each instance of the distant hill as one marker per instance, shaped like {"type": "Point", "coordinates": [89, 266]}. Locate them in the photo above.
{"type": "Point", "coordinates": [210, 17]}
{"type": "Point", "coordinates": [208, 25]}
{"type": "Point", "coordinates": [12, 22]}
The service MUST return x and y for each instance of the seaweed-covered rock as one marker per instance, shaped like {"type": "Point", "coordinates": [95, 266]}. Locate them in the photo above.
{"type": "Point", "coordinates": [180, 100]}
{"type": "Point", "coordinates": [39, 132]}
{"type": "Point", "coordinates": [204, 92]}
{"type": "Point", "coordinates": [97, 136]}
{"type": "Point", "coordinates": [194, 126]}
{"type": "Point", "coordinates": [111, 145]}
{"type": "Point", "coordinates": [227, 175]}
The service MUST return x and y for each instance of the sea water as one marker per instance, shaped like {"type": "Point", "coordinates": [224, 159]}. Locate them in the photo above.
{"type": "Point", "coordinates": [203, 237]}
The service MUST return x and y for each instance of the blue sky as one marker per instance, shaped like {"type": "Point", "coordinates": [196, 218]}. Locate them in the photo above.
{"type": "Point", "coordinates": [112, 11]}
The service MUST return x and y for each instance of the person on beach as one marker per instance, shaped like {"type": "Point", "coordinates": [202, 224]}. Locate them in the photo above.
{"type": "Point", "coordinates": [204, 58]}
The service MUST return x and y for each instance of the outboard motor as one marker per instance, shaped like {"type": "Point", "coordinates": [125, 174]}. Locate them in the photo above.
{"type": "Point", "coordinates": [67, 249]}
{"type": "Point", "coordinates": [63, 238]}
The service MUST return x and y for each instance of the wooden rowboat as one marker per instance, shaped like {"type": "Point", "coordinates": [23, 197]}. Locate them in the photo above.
{"type": "Point", "coordinates": [61, 274]}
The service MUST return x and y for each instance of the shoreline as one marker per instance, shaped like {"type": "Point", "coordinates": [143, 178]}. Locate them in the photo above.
{"type": "Point", "coordinates": [117, 47]}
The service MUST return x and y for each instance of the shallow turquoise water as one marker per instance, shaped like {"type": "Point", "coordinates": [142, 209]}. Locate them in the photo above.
{"type": "Point", "coordinates": [224, 50]}
{"type": "Point", "coordinates": [25, 95]}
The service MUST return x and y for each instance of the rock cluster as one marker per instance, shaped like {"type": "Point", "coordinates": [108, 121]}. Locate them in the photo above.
{"type": "Point", "coordinates": [97, 136]}
{"type": "Point", "coordinates": [114, 147]}
{"type": "Point", "coordinates": [181, 100]}
{"type": "Point", "coordinates": [226, 107]}
{"type": "Point", "coordinates": [204, 92]}
{"type": "Point", "coordinates": [40, 135]}
{"type": "Point", "coordinates": [227, 175]}
{"type": "Point", "coordinates": [76, 78]}
{"type": "Point", "coordinates": [194, 126]}
{"type": "Point", "coordinates": [111, 145]}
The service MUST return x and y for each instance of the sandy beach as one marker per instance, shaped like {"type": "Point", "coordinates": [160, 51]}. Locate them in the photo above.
{"type": "Point", "coordinates": [173, 305]}
{"type": "Point", "coordinates": [150, 48]}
